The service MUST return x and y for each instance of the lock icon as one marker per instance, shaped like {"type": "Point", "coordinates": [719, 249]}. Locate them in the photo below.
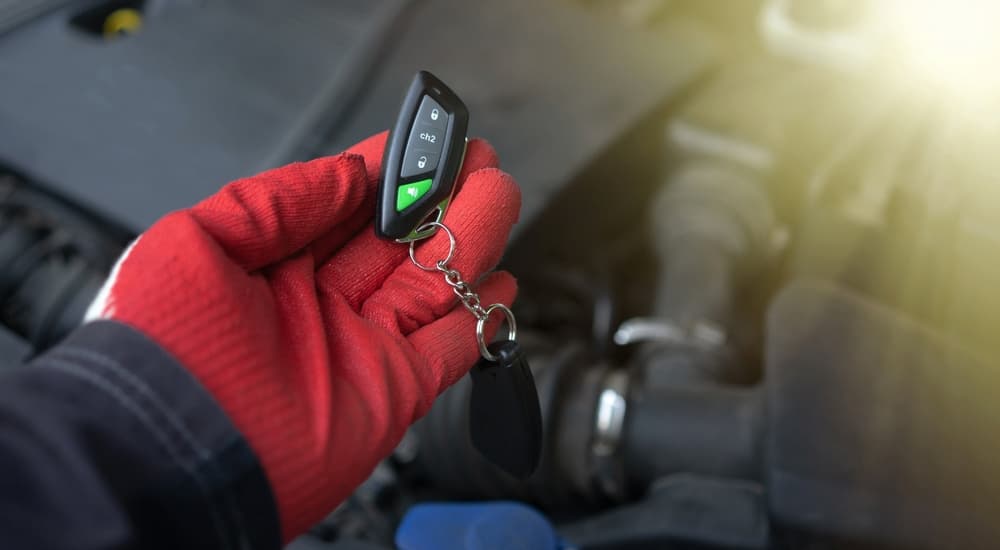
{"type": "Point", "coordinates": [434, 114]}
{"type": "Point", "coordinates": [422, 161]}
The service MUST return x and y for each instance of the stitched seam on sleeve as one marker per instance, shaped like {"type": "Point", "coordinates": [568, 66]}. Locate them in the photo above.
{"type": "Point", "coordinates": [141, 387]}
{"type": "Point", "coordinates": [139, 414]}
{"type": "Point", "coordinates": [176, 421]}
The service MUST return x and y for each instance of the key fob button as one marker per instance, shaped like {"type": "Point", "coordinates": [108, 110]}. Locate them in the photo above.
{"type": "Point", "coordinates": [417, 162]}
{"type": "Point", "coordinates": [425, 138]}
{"type": "Point", "coordinates": [411, 193]}
{"type": "Point", "coordinates": [431, 114]}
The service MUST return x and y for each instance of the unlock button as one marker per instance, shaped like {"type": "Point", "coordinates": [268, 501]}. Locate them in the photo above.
{"type": "Point", "coordinates": [416, 162]}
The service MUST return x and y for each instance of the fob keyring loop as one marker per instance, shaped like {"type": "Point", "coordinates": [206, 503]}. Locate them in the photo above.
{"type": "Point", "coordinates": [481, 325]}
{"type": "Point", "coordinates": [440, 263]}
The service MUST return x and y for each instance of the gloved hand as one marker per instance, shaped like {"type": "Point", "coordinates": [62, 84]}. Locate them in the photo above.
{"type": "Point", "coordinates": [321, 342]}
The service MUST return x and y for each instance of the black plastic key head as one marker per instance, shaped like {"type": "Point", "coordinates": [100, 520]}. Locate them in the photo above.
{"type": "Point", "coordinates": [505, 419]}
{"type": "Point", "coordinates": [422, 159]}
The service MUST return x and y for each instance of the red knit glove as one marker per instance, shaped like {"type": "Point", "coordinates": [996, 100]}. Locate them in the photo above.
{"type": "Point", "coordinates": [320, 341]}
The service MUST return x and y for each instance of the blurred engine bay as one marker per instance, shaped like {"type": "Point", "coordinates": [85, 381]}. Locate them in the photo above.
{"type": "Point", "coordinates": [756, 256]}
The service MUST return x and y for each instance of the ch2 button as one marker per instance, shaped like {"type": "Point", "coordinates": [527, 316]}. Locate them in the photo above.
{"type": "Point", "coordinates": [429, 137]}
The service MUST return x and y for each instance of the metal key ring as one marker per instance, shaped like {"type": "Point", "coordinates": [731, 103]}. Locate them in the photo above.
{"type": "Point", "coordinates": [451, 247]}
{"type": "Point", "coordinates": [481, 325]}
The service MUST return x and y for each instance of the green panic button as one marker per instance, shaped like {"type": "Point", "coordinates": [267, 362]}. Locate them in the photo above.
{"type": "Point", "coordinates": [411, 193]}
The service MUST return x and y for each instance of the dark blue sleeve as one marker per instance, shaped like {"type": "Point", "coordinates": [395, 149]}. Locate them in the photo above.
{"type": "Point", "coordinates": [106, 442]}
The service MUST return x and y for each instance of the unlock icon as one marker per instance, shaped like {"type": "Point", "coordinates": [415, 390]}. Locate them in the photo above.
{"type": "Point", "coordinates": [422, 161]}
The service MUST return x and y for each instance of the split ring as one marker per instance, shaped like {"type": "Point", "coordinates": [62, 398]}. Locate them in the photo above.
{"type": "Point", "coordinates": [481, 325]}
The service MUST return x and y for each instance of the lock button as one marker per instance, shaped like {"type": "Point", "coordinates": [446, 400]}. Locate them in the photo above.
{"type": "Point", "coordinates": [431, 114]}
{"type": "Point", "coordinates": [417, 162]}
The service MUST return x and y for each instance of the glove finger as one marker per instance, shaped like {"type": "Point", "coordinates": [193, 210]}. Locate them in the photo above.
{"type": "Point", "coordinates": [265, 218]}
{"type": "Point", "coordinates": [362, 265]}
{"type": "Point", "coordinates": [480, 218]}
{"type": "Point", "coordinates": [449, 344]}
{"type": "Point", "coordinates": [371, 150]}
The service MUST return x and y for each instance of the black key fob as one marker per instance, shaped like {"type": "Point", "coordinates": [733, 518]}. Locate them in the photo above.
{"type": "Point", "coordinates": [422, 159]}
{"type": "Point", "coordinates": [505, 419]}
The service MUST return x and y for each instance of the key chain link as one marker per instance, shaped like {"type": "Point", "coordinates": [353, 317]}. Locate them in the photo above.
{"type": "Point", "coordinates": [470, 298]}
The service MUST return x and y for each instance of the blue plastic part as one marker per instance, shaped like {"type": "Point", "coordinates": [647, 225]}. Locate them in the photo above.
{"type": "Point", "coordinates": [475, 526]}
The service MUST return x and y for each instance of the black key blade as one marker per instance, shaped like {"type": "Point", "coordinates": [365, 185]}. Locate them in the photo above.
{"type": "Point", "coordinates": [505, 422]}
{"type": "Point", "coordinates": [422, 159]}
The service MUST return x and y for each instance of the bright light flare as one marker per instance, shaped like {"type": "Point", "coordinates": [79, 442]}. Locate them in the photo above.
{"type": "Point", "coordinates": [952, 44]}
